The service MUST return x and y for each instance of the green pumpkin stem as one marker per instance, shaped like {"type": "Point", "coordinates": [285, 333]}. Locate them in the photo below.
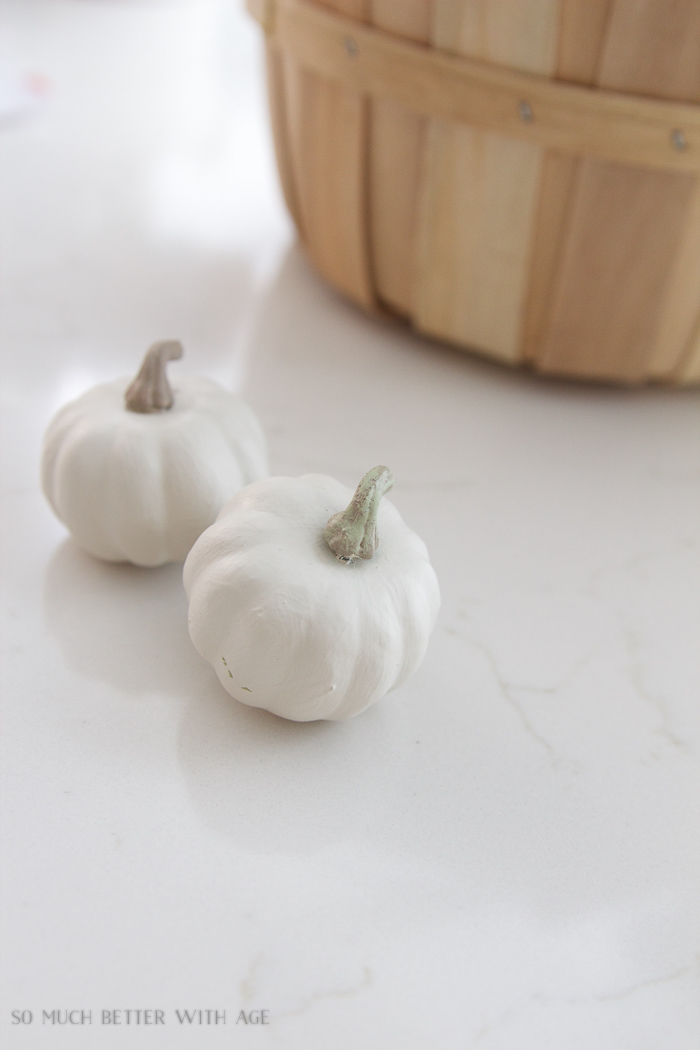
{"type": "Point", "coordinates": [150, 391]}
{"type": "Point", "coordinates": [353, 532]}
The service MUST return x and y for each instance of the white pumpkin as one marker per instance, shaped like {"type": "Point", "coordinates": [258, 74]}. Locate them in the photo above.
{"type": "Point", "coordinates": [137, 471]}
{"type": "Point", "coordinates": [309, 617]}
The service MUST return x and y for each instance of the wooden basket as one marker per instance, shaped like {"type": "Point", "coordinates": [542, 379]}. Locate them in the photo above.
{"type": "Point", "coordinates": [517, 177]}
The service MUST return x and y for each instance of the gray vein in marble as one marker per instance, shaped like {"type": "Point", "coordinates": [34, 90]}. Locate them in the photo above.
{"type": "Point", "coordinates": [634, 646]}
{"type": "Point", "coordinates": [590, 588]}
{"type": "Point", "coordinates": [508, 689]}
{"type": "Point", "coordinates": [652, 983]}
{"type": "Point", "coordinates": [247, 984]}
{"type": "Point", "coordinates": [498, 1022]}
{"type": "Point", "coordinates": [538, 999]}
{"type": "Point", "coordinates": [636, 675]}
{"type": "Point", "coordinates": [340, 993]}
{"type": "Point", "coordinates": [683, 543]}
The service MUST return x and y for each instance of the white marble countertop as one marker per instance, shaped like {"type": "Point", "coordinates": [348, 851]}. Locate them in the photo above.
{"type": "Point", "coordinates": [503, 854]}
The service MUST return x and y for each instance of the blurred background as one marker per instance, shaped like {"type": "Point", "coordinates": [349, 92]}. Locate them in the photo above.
{"type": "Point", "coordinates": [141, 171]}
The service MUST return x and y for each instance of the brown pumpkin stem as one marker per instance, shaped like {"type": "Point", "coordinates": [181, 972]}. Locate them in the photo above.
{"type": "Point", "coordinates": [353, 532]}
{"type": "Point", "coordinates": [150, 391]}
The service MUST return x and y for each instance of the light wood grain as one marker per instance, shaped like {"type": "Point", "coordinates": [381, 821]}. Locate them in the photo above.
{"type": "Point", "coordinates": [397, 143]}
{"type": "Point", "coordinates": [680, 309]}
{"type": "Point", "coordinates": [410, 19]}
{"type": "Point", "coordinates": [555, 193]}
{"type": "Point", "coordinates": [397, 140]}
{"type": "Point", "coordinates": [608, 296]}
{"type": "Point", "coordinates": [475, 231]}
{"type": "Point", "coordinates": [481, 188]}
{"type": "Point", "coordinates": [581, 37]}
{"type": "Point", "coordinates": [652, 47]}
{"type": "Point", "coordinates": [690, 370]}
{"type": "Point", "coordinates": [358, 9]}
{"type": "Point", "coordinates": [674, 72]}
{"type": "Point", "coordinates": [328, 128]}
{"type": "Point", "coordinates": [327, 132]}
{"type": "Point", "coordinates": [521, 34]}
{"type": "Point", "coordinates": [581, 33]}
{"type": "Point", "coordinates": [626, 225]}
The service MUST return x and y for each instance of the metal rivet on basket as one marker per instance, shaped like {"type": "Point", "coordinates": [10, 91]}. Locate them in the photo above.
{"type": "Point", "coordinates": [678, 139]}
{"type": "Point", "coordinates": [350, 46]}
{"type": "Point", "coordinates": [525, 112]}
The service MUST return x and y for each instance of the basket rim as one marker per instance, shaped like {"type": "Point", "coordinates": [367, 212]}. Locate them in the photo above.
{"type": "Point", "coordinates": [569, 118]}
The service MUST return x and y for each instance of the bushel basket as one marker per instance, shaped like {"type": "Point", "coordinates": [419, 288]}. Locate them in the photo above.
{"type": "Point", "coordinates": [517, 177]}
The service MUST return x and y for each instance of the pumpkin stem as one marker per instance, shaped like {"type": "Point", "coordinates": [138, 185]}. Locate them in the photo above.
{"type": "Point", "coordinates": [150, 391]}
{"type": "Point", "coordinates": [353, 532]}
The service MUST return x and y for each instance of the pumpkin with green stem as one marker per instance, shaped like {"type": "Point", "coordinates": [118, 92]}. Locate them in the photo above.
{"type": "Point", "coordinates": [309, 601]}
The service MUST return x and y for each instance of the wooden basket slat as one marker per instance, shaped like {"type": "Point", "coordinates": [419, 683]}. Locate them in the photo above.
{"type": "Point", "coordinates": [396, 149]}
{"type": "Point", "coordinates": [680, 310]}
{"type": "Point", "coordinates": [556, 190]}
{"type": "Point", "coordinates": [395, 166]}
{"type": "Point", "coordinates": [481, 189]}
{"type": "Point", "coordinates": [581, 34]}
{"type": "Point", "coordinates": [582, 29]}
{"type": "Point", "coordinates": [476, 226]}
{"type": "Point", "coordinates": [357, 9]}
{"type": "Point", "coordinates": [328, 129]}
{"type": "Point", "coordinates": [623, 232]}
{"type": "Point", "coordinates": [674, 72]}
{"type": "Point", "coordinates": [519, 34]}
{"type": "Point", "coordinates": [690, 370]}
{"type": "Point", "coordinates": [653, 48]}
{"type": "Point", "coordinates": [328, 138]}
